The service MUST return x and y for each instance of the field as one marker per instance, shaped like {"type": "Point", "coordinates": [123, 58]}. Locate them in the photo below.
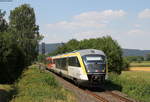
{"type": "Point", "coordinates": [139, 68]}
{"type": "Point", "coordinates": [135, 84]}
{"type": "Point", "coordinates": [140, 64]}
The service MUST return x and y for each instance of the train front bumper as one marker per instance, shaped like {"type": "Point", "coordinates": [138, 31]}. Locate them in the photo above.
{"type": "Point", "coordinates": [93, 79]}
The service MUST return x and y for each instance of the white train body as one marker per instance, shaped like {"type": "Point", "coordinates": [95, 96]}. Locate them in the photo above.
{"type": "Point", "coordinates": [82, 66]}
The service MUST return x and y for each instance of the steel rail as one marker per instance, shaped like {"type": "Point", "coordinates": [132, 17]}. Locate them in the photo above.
{"type": "Point", "coordinates": [119, 97]}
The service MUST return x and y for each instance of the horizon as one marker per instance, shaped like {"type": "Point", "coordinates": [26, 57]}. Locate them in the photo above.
{"type": "Point", "coordinates": [125, 21]}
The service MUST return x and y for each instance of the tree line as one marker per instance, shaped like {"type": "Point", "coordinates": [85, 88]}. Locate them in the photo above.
{"type": "Point", "coordinates": [19, 40]}
{"type": "Point", "coordinates": [111, 48]}
{"type": "Point", "coordinates": [138, 58]}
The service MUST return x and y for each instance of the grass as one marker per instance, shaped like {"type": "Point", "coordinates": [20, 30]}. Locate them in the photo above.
{"type": "Point", "coordinates": [140, 64]}
{"type": "Point", "coordinates": [135, 84]}
{"type": "Point", "coordinates": [6, 92]}
{"type": "Point", "coordinates": [39, 86]}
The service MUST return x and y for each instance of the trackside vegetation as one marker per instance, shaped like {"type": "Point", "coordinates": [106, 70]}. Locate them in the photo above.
{"type": "Point", "coordinates": [135, 84]}
{"type": "Point", "coordinates": [36, 85]}
{"type": "Point", "coordinates": [110, 47]}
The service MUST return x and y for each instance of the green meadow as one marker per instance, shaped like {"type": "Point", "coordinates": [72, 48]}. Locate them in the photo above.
{"type": "Point", "coordinates": [136, 84]}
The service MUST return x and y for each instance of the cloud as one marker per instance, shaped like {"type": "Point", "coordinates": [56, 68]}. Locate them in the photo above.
{"type": "Point", "coordinates": [144, 14]}
{"type": "Point", "coordinates": [93, 19]}
{"type": "Point", "coordinates": [136, 31]}
{"type": "Point", "coordinates": [75, 25]}
{"type": "Point", "coordinates": [91, 34]}
{"type": "Point", "coordinates": [137, 25]}
{"type": "Point", "coordinates": [100, 16]}
{"type": "Point", "coordinates": [84, 25]}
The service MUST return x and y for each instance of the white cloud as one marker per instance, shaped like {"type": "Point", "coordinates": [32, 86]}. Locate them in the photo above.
{"type": "Point", "coordinates": [93, 19]}
{"type": "Point", "coordinates": [136, 31]}
{"type": "Point", "coordinates": [144, 14]}
{"type": "Point", "coordinates": [137, 25]}
{"type": "Point", "coordinates": [75, 24]}
{"type": "Point", "coordinates": [103, 15]}
{"type": "Point", "coordinates": [91, 34]}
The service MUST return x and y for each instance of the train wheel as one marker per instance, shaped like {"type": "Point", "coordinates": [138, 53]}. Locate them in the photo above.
{"type": "Point", "coordinates": [60, 74]}
{"type": "Point", "coordinates": [76, 82]}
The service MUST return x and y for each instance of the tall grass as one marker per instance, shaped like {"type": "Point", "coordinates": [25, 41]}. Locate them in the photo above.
{"type": "Point", "coordinates": [38, 86]}
{"type": "Point", "coordinates": [134, 84]}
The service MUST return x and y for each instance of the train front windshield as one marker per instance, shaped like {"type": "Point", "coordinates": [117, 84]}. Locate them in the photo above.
{"type": "Point", "coordinates": [94, 63]}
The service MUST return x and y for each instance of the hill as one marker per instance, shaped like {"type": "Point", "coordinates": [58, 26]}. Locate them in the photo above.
{"type": "Point", "coordinates": [126, 52]}
{"type": "Point", "coordinates": [135, 52]}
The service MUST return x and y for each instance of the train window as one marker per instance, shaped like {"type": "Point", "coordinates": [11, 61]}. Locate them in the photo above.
{"type": "Point", "coordinates": [61, 63]}
{"type": "Point", "coordinates": [73, 61]}
{"type": "Point", "coordinates": [64, 63]}
{"type": "Point", "coordinates": [57, 63]}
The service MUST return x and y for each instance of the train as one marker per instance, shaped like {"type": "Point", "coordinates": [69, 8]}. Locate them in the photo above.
{"type": "Point", "coordinates": [84, 67]}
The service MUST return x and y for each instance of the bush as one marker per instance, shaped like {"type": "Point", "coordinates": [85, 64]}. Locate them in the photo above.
{"type": "Point", "coordinates": [126, 64]}
{"type": "Point", "coordinates": [41, 58]}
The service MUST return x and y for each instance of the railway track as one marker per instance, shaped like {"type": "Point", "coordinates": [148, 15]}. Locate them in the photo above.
{"type": "Point", "coordinates": [100, 98]}
{"type": "Point", "coordinates": [96, 95]}
{"type": "Point", "coordinates": [119, 97]}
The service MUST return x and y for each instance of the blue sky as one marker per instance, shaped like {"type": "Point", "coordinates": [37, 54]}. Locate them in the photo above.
{"type": "Point", "coordinates": [127, 21]}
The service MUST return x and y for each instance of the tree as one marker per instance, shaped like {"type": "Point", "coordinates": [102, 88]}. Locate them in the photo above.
{"type": "Point", "coordinates": [11, 58]}
{"type": "Point", "coordinates": [26, 32]}
{"type": "Point", "coordinates": [3, 23]}
{"type": "Point", "coordinates": [18, 42]}
{"type": "Point", "coordinates": [148, 57]}
{"type": "Point", "coordinates": [135, 58]}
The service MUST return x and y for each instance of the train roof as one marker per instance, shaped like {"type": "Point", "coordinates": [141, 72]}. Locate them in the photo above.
{"type": "Point", "coordinates": [89, 51]}
{"type": "Point", "coordinates": [85, 52]}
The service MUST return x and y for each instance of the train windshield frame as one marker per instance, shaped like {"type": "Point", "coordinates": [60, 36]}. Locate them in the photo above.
{"type": "Point", "coordinates": [95, 63]}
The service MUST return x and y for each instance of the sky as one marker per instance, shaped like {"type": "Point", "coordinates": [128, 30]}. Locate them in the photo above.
{"type": "Point", "coordinates": [127, 21]}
